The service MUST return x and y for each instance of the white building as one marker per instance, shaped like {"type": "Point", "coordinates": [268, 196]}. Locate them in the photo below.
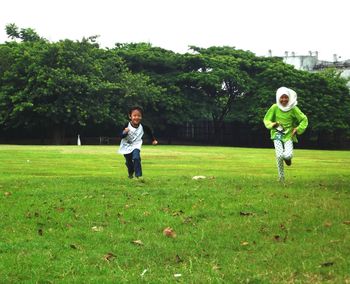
{"type": "Point", "coordinates": [312, 63]}
{"type": "Point", "coordinates": [301, 62]}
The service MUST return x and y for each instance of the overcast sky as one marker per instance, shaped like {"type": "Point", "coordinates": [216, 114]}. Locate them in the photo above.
{"type": "Point", "coordinates": [255, 25]}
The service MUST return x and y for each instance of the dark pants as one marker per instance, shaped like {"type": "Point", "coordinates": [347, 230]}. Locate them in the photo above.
{"type": "Point", "coordinates": [133, 163]}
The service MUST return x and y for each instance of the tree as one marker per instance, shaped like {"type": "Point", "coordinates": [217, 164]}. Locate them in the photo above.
{"type": "Point", "coordinates": [219, 75]}
{"type": "Point", "coordinates": [173, 105]}
{"type": "Point", "coordinates": [65, 85]}
{"type": "Point", "coordinates": [27, 34]}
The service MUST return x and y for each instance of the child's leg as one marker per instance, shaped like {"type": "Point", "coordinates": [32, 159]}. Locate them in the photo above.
{"type": "Point", "coordinates": [129, 164]}
{"type": "Point", "coordinates": [136, 158]}
{"type": "Point", "coordinates": [279, 158]}
{"type": "Point", "coordinates": [288, 150]}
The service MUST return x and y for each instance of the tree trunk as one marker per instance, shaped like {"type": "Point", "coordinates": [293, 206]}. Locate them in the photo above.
{"type": "Point", "coordinates": [218, 131]}
{"type": "Point", "coordinates": [58, 134]}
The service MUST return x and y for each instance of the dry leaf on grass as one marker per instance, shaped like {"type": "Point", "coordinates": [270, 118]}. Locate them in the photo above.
{"type": "Point", "coordinates": [178, 213]}
{"type": "Point", "coordinates": [244, 243]}
{"type": "Point", "coordinates": [329, 263]}
{"type": "Point", "coordinates": [242, 213]}
{"type": "Point", "coordinates": [109, 256]}
{"type": "Point", "coordinates": [277, 238]}
{"type": "Point", "coordinates": [59, 209]}
{"type": "Point", "coordinates": [7, 193]}
{"type": "Point", "coordinates": [166, 209]}
{"type": "Point", "coordinates": [188, 220]}
{"type": "Point", "coordinates": [138, 242]}
{"type": "Point", "coordinates": [169, 232]}
{"type": "Point", "coordinates": [346, 222]}
{"type": "Point", "coordinates": [97, 229]}
{"type": "Point", "coordinates": [178, 259]}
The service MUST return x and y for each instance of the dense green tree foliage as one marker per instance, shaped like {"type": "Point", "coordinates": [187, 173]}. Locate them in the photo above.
{"type": "Point", "coordinates": [174, 105]}
{"type": "Point", "coordinates": [219, 75]}
{"type": "Point", "coordinates": [65, 85]}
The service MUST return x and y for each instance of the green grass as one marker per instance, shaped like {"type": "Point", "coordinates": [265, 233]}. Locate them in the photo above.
{"type": "Point", "coordinates": [239, 225]}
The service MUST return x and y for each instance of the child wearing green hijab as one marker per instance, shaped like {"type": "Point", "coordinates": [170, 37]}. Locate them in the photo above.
{"type": "Point", "coordinates": [285, 121]}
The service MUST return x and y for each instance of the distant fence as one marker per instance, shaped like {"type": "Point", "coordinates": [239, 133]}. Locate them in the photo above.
{"type": "Point", "coordinates": [66, 141]}
{"type": "Point", "coordinates": [191, 133]}
{"type": "Point", "coordinates": [231, 134]}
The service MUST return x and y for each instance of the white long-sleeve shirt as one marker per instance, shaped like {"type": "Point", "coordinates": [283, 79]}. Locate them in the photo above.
{"type": "Point", "coordinates": [133, 139]}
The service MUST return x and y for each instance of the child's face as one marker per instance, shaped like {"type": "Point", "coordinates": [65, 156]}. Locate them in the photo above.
{"type": "Point", "coordinates": [284, 100]}
{"type": "Point", "coordinates": [136, 117]}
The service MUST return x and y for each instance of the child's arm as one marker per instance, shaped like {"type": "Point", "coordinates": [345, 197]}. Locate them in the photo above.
{"type": "Point", "coordinates": [149, 133]}
{"type": "Point", "coordinates": [269, 117]}
{"type": "Point", "coordinates": [302, 120]}
{"type": "Point", "coordinates": [125, 131]}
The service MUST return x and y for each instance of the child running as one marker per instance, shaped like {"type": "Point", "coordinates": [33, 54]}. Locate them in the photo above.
{"type": "Point", "coordinates": [286, 121]}
{"type": "Point", "coordinates": [131, 142]}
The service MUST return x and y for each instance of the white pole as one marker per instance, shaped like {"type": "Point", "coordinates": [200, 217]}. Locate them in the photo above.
{"type": "Point", "coordinates": [79, 142]}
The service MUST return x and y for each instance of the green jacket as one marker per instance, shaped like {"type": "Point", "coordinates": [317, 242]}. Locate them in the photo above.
{"type": "Point", "coordinates": [289, 120]}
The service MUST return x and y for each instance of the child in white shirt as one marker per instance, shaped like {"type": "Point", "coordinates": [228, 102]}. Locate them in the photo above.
{"type": "Point", "coordinates": [130, 145]}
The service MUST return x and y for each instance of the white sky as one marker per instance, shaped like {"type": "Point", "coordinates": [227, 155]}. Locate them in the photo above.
{"type": "Point", "coordinates": [255, 25]}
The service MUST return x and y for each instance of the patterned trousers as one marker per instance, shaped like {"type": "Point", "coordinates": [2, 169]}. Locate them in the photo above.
{"type": "Point", "coordinates": [284, 151]}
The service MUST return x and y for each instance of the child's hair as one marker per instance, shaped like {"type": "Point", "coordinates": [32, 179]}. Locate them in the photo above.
{"type": "Point", "coordinates": [136, 108]}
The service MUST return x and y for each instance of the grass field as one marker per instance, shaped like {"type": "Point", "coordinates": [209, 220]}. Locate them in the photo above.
{"type": "Point", "coordinates": [70, 214]}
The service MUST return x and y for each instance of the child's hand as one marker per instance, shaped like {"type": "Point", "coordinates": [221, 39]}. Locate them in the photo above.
{"type": "Point", "coordinates": [126, 130]}
{"type": "Point", "coordinates": [154, 142]}
{"type": "Point", "coordinates": [275, 124]}
{"type": "Point", "coordinates": [294, 131]}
